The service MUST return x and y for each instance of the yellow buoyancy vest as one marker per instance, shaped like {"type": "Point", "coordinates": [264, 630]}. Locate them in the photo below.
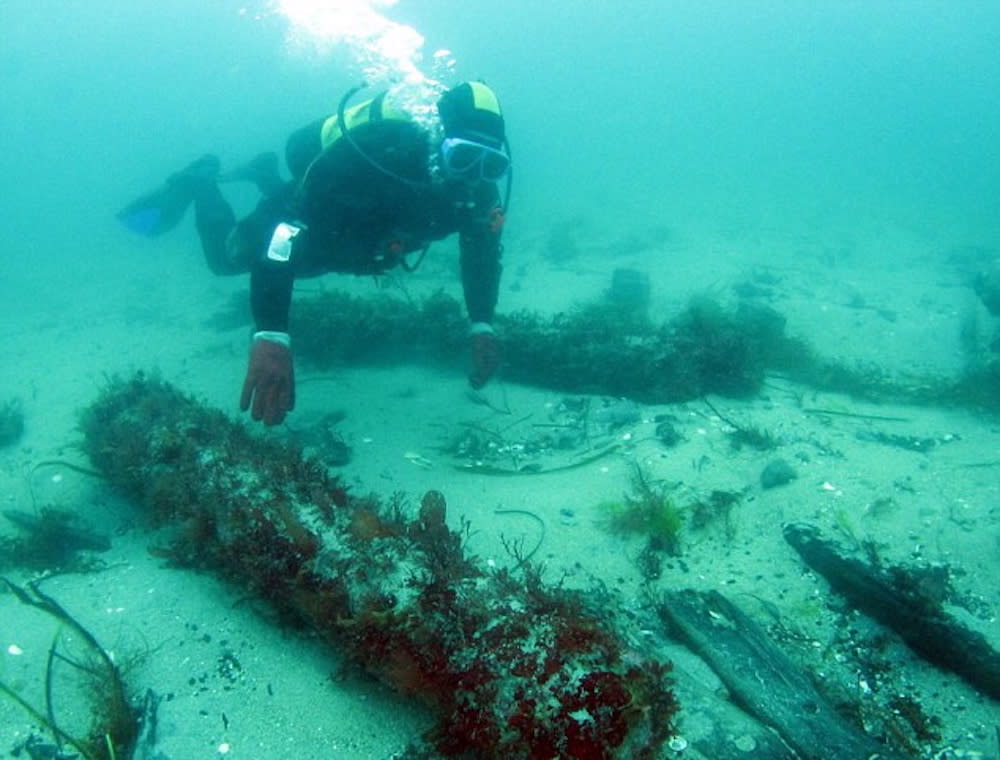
{"type": "Point", "coordinates": [376, 109]}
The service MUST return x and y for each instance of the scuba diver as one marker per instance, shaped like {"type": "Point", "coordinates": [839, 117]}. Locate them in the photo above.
{"type": "Point", "coordinates": [371, 188]}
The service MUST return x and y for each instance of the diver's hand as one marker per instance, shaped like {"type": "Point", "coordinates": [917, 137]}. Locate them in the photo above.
{"type": "Point", "coordinates": [270, 380]}
{"type": "Point", "coordinates": [485, 354]}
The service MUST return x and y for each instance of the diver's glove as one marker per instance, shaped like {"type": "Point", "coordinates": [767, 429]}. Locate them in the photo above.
{"type": "Point", "coordinates": [270, 380]}
{"type": "Point", "coordinates": [485, 354]}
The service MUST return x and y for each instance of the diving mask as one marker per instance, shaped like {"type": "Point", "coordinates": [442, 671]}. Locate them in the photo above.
{"type": "Point", "coordinates": [469, 160]}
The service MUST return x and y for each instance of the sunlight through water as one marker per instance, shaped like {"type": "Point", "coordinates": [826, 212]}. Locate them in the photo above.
{"type": "Point", "coordinates": [386, 53]}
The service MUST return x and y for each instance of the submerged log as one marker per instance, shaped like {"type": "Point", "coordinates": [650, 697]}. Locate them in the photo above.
{"type": "Point", "coordinates": [894, 597]}
{"type": "Point", "coordinates": [514, 670]}
{"type": "Point", "coordinates": [707, 349]}
{"type": "Point", "coordinates": [762, 680]}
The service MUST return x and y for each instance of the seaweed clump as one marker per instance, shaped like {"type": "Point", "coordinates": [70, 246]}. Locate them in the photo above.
{"type": "Point", "coordinates": [335, 327]}
{"type": "Point", "coordinates": [601, 348]}
{"type": "Point", "coordinates": [647, 511]}
{"type": "Point", "coordinates": [514, 670]}
{"type": "Point", "coordinates": [52, 540]}
{"type": "Point", "coordinates": [716, 509]}
{"type": "Point", "coordinates": [725, 351]}
{"type": "Point", "coordinates": [113, 729]}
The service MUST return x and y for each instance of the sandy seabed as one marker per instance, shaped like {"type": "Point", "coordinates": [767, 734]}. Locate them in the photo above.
{"type": "Point", "coordinates": [235, 683]}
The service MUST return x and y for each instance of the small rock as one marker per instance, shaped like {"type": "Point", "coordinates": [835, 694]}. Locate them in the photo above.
{"type": "Point", "coordinates": [777, 473]}
{"type": "Point", "coordinates": [745, 743]}
{"type": "Point", "coordinates": [667, 434]}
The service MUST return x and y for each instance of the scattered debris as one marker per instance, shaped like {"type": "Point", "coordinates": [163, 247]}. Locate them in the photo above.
{"type": "Point", "coordinates": [908, 442]}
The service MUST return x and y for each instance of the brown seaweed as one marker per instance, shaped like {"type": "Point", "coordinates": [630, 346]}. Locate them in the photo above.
{"type": "Point", "coordinates": [114, 722]}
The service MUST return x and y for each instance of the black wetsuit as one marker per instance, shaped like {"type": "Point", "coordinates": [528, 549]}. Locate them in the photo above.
{"type": "Point", "coordinates": [360, 213]}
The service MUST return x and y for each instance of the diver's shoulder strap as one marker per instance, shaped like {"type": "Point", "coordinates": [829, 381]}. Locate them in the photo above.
{"type": "Point", "coordinates": [376, 109]}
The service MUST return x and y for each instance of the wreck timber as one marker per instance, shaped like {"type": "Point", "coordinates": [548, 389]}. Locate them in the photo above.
{"type": "Point", "coordinates": [513, 669]}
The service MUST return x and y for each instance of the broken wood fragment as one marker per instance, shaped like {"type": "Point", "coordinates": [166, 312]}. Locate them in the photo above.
{"type": "Point", "coordinates": [893, 597]}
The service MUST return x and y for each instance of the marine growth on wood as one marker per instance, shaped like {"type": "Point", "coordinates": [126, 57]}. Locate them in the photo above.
{"type": "Point", "coordinates": [513, 668]}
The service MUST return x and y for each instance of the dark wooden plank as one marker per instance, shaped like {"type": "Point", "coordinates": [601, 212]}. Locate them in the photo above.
{"type": "Point", "coordinates": [762, 680]}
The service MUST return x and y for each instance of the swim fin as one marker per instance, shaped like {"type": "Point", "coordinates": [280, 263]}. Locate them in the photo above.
{"type": "Point", "coordinates": [159, 211]}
